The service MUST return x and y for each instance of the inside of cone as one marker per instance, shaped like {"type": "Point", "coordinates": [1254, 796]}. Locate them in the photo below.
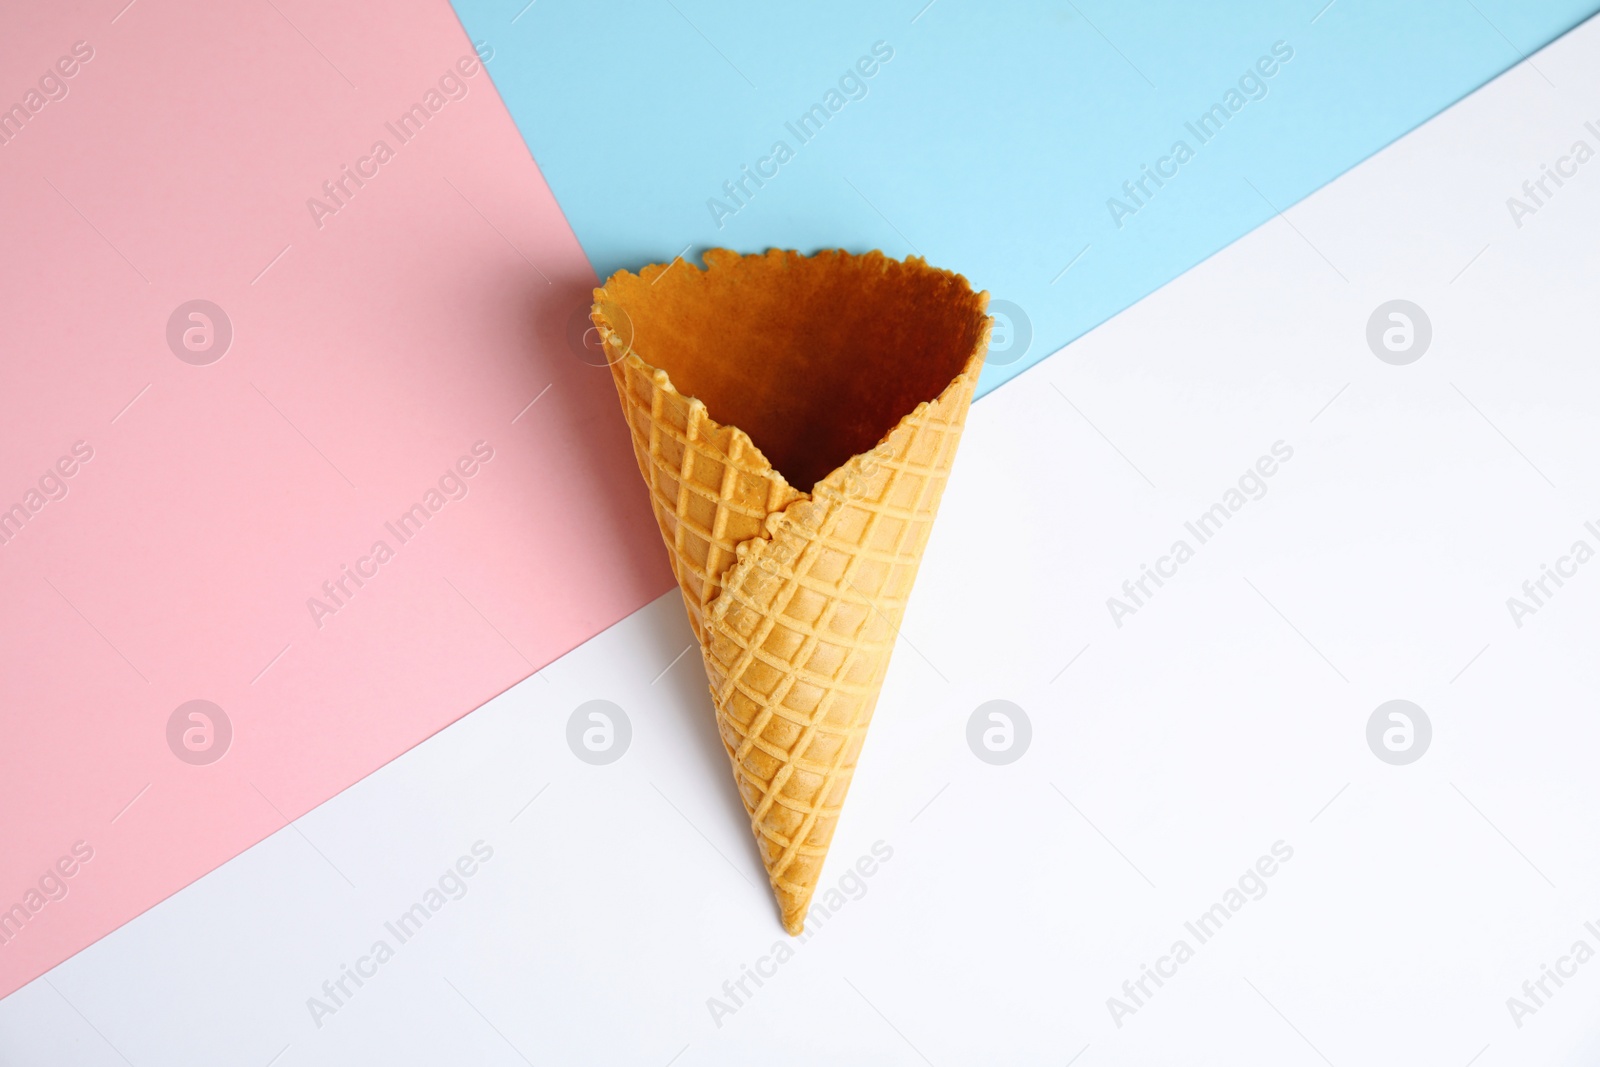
{"type": "Point", "coordinates": [816, 358]}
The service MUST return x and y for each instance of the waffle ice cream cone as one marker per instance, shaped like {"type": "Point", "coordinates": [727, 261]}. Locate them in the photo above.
{"type": "Point", "coordinates": [795, 419]}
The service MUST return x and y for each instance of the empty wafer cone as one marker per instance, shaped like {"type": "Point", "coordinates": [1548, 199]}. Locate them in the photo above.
{"type": "Point", "coordinates": [795, 419]}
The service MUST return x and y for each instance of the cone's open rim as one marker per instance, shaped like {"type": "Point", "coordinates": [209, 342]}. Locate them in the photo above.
{"type": "Point", "coordinates": [815, 358]}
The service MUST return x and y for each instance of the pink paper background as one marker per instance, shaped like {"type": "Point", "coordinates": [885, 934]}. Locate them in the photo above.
{"type": "Point", "coordinates": [365, 360]}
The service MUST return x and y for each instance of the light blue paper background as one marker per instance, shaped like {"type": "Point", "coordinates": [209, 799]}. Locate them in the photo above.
{"type": "Point", "coordinates": [993, 139]}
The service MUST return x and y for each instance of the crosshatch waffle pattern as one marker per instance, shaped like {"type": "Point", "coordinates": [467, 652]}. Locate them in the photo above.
{"type": "Point", "coordinates": [796, 598]}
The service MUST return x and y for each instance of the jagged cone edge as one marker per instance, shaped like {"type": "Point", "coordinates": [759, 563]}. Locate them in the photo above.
{"type": "Point", "coordinates": [795, 623]}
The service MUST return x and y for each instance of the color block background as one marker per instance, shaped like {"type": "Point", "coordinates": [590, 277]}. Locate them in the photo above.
{"type": "Point", "coordinates": [368, 355]}
{"type": "Point", "coordinates": [994, 137]}
{"type": "Point", "coordinates": [1226, 720]}
{"type": "Point", "coordinates": [374, 347]}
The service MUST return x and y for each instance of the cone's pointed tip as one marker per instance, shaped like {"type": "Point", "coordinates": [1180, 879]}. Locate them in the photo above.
{"type": "Point", "coordinates": [794, 903]}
